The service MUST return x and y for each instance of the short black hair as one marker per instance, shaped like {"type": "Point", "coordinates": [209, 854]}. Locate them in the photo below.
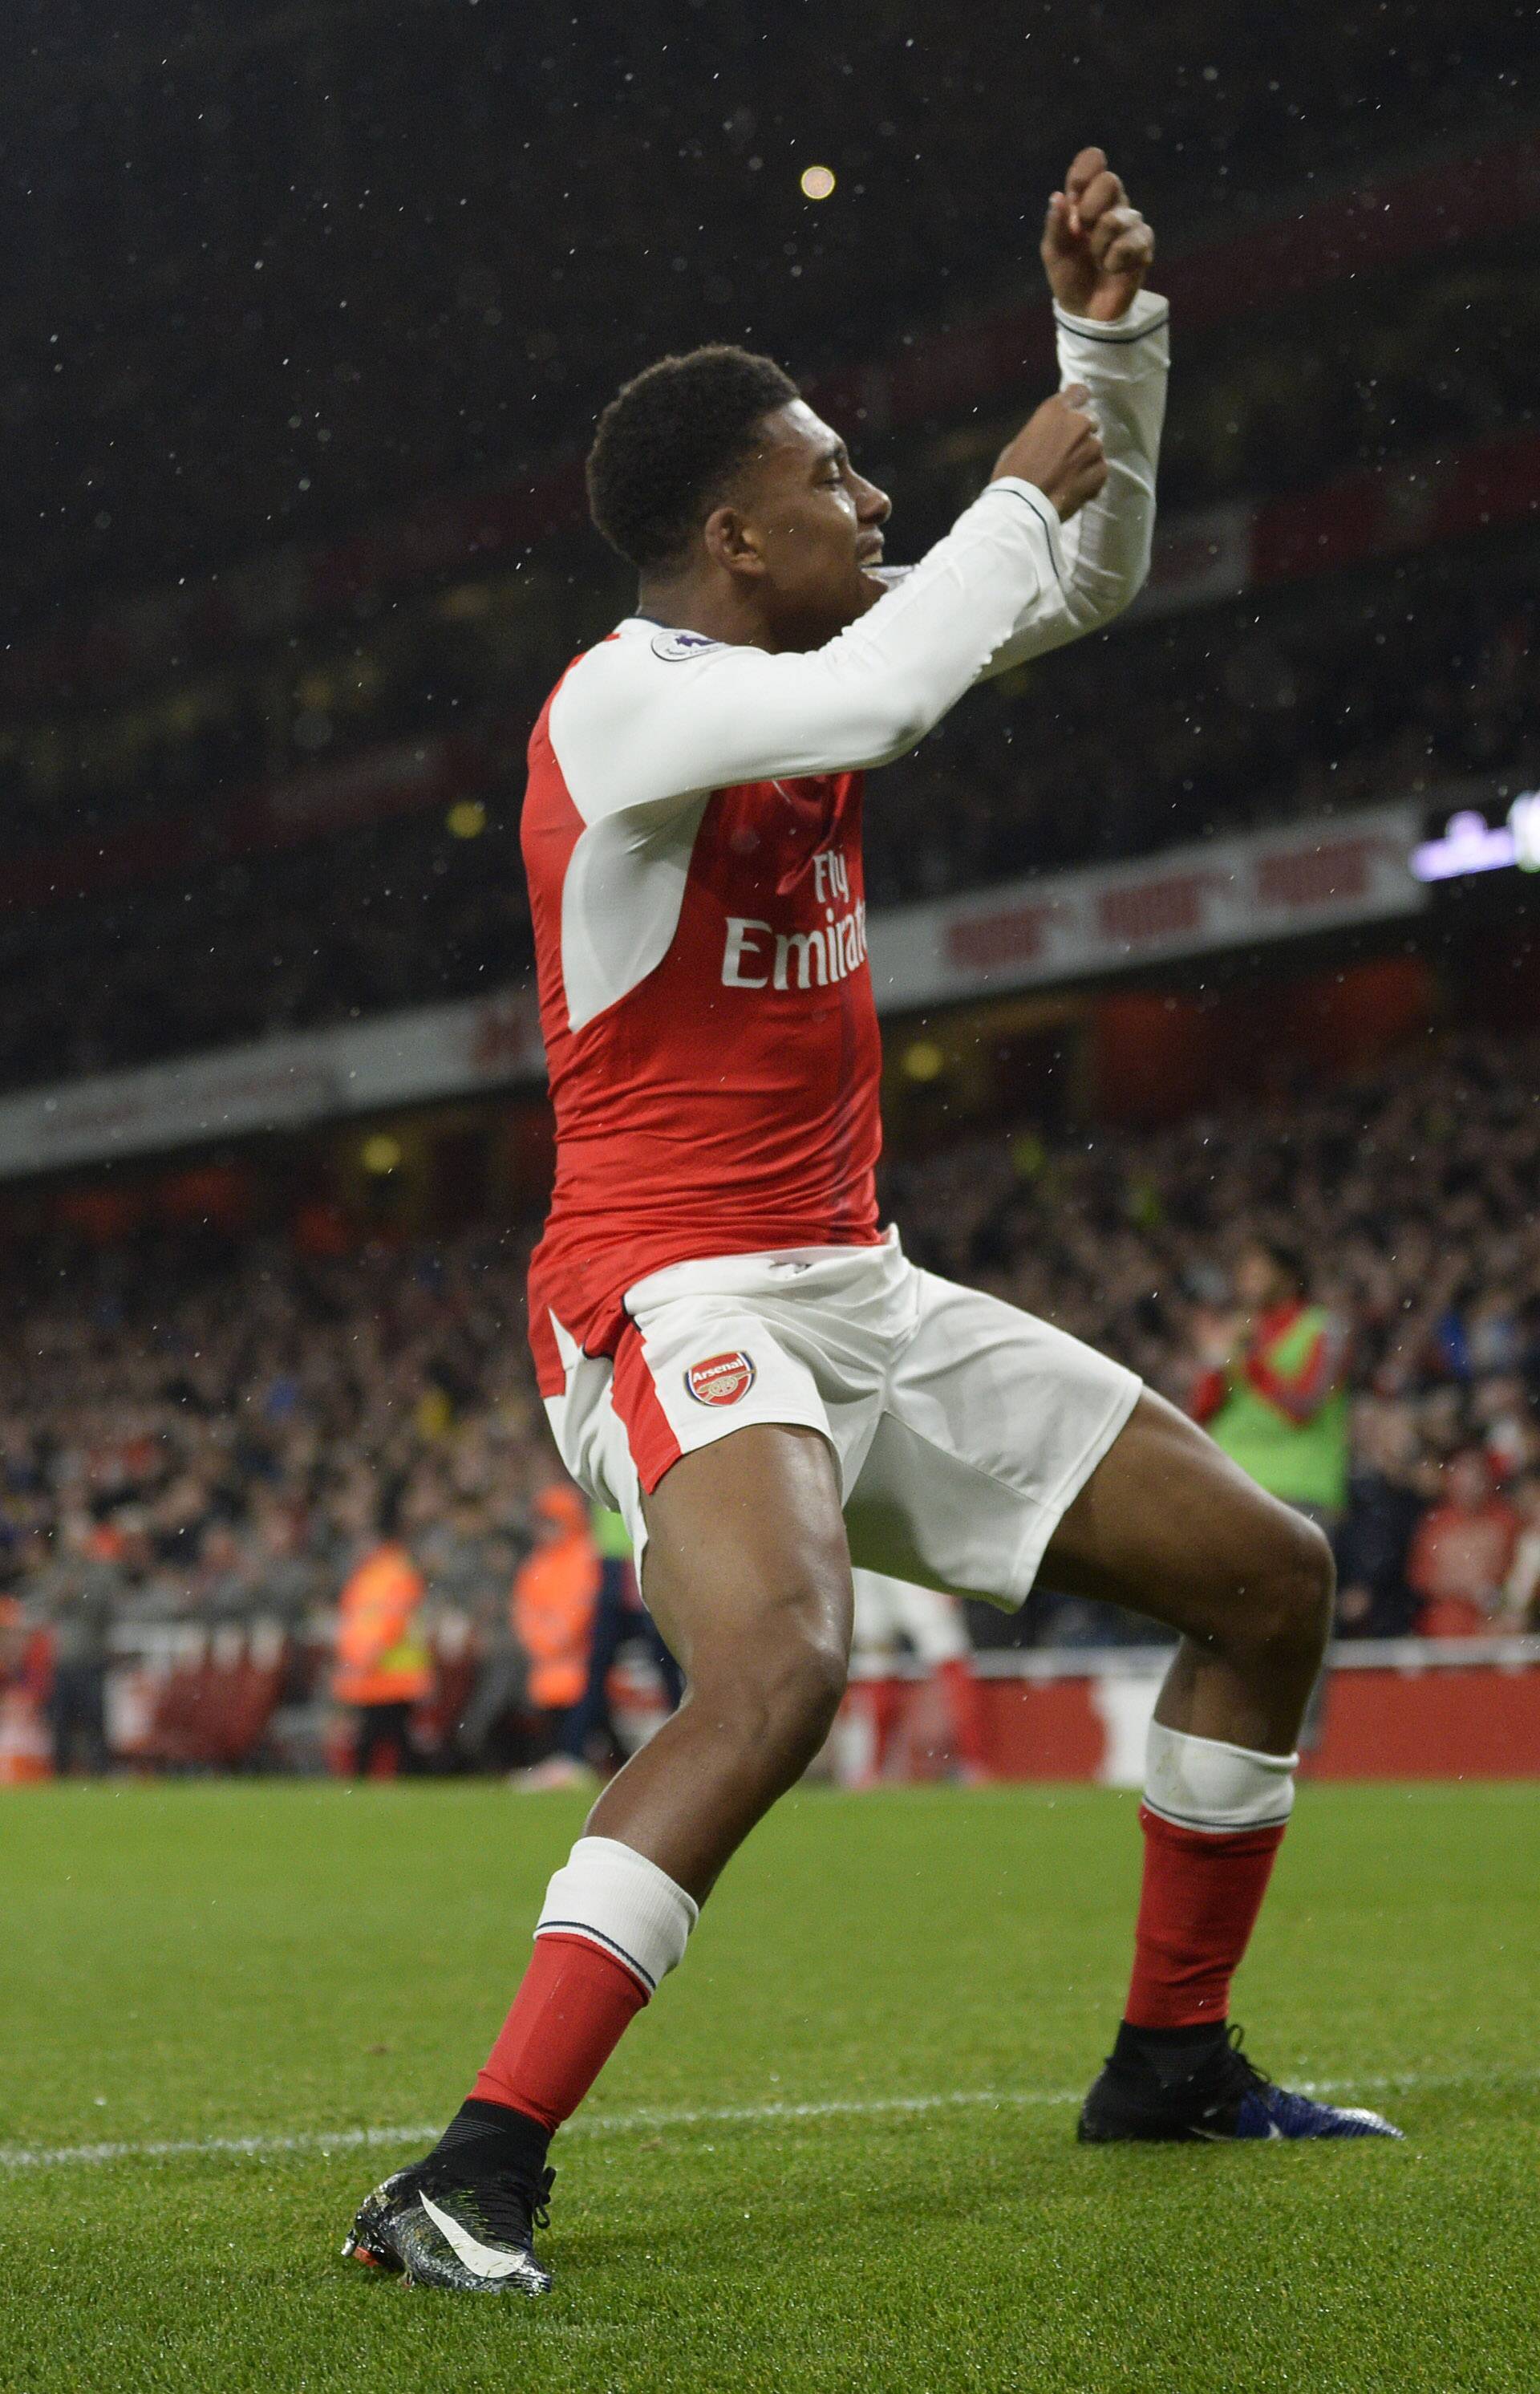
{"type": "Point", "coordinates": [670, 441]}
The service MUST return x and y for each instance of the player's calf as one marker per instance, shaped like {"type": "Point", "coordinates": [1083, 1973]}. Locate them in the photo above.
{"type": "Point", "coordinates": [1214, 1816]}
{"type": "Point", "coordinates": [612, 1927]}
{"type": "Point", "coordinates": [1170, 1525]}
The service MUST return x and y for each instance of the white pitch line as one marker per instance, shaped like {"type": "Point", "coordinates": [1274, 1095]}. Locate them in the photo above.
{"type": "Point", "coordinates": [618, 2124]}
{"type": "Point", "coordinates": [16, 2157]}
{"type": "Point", "coordinates": [19, 2157]}
{"type": "Point", "coordinates": [836, 2108]}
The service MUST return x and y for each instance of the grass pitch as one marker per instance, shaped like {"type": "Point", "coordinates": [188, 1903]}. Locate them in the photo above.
{"type": "Point", "coordinates": [933, 1975]}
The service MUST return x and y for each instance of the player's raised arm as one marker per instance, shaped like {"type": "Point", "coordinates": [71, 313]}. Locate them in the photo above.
{"type": "Point", "coordinates": [1097, 251]}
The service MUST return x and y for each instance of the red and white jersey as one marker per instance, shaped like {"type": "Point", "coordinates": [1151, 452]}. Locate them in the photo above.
{"type": "Point", "coordinates": [691, 834]}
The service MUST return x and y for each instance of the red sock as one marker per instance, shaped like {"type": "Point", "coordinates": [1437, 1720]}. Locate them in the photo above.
{"type": "Point", "coordinates": [574, 2006]}
{"type": "Point", "coordinates": [1197, 1908]}
{"type": "Point", "coordinates": [965, 1711]}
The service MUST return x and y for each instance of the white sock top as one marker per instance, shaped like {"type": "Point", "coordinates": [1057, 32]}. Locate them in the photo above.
{"type": "Point", "coordinates": [618, 1900]}
{"type": "Point", "coordinates": [1200, 1783]}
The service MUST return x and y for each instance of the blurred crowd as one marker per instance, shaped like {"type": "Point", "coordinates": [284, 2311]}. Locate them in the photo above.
{"type": "Point", "coordinates": [201, 1435]}
{"type": "Point", "coordinates": [213, 1430]}
{"type": "Point", "coordinates": [1412, 1197]}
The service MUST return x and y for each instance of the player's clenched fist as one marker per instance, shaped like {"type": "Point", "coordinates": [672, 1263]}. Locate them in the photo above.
{"type": "Point", "coordinates": [1097, 249]}
{"type": "Point", "coordinates": [1059, 449]}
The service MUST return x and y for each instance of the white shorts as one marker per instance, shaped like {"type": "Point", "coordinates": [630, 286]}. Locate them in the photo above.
{"type": "Point", "coordinates": [961, 1429]}
{"type": "Point", "coordinates": [887, 1609]}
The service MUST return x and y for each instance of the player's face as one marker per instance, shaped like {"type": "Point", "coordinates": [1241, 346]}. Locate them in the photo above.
{"type": "Point", "coordinates": [817, 526]}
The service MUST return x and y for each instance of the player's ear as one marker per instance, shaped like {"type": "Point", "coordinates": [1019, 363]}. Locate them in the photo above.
{"type": "Point", "coordinates": [731, 541]}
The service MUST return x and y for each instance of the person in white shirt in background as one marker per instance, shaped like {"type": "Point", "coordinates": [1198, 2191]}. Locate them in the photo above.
{"type": "Point", "coordinates": [886, 1611]}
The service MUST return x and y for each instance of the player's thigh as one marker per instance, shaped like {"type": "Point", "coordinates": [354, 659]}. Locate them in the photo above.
{"type": "Point", "coordinates": [713, 1437]}
{"type": "Point", "coordinates": [1169, 1526]}
{"type": "Point", "coordinates": [746, 1551]}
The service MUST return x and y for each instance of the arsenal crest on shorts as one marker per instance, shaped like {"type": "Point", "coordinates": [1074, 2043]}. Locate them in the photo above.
{"type": "Point", "coordinates": [721, 1379]}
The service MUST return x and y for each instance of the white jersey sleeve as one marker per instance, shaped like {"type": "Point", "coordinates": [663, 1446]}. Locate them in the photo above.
{"type": "Point", "coordinates": [1106, 546]}
{"type": "Point", "coordinates": [654, 717]}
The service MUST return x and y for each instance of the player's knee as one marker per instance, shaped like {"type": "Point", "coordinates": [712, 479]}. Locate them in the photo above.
{"type": "Point", "coordinates": [803, 1697]}
{"type": "Point", "coordinates": [1295, 1598]}
{"type": "Point", "coordinates": [780, 1701]}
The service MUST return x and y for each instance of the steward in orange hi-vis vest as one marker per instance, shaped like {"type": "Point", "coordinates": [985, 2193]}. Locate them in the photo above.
{"type": "Point", "coordinates": [380, 1658]}
{"type": "Point", "coordinates": [554, 1595]}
